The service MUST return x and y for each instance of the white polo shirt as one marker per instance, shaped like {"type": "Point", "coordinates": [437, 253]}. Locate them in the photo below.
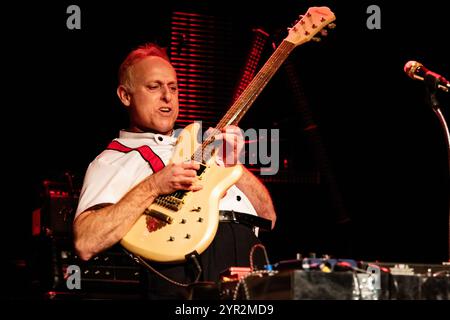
{"type": "Point", "coordinates": [113, 173]}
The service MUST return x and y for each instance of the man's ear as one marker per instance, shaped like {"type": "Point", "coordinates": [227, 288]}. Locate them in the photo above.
{"type": "Point", "coordinates": [123, 94]}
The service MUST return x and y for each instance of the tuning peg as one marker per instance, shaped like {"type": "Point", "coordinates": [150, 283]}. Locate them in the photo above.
{"type": "Point", "coordinates": [300, 17]}
{"type": "Point", "coordinates": [316, 39]}
{"type": "Point", "coordinates": [331, 25]}
{"type": "Point", "coordinates": [324, 32]}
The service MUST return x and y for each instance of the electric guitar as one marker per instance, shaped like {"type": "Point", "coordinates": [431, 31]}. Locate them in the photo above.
{"type": "Point", "coordinates": [184, 222]}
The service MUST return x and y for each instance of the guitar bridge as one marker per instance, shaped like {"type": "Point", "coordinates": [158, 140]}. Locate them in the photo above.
{"type": "Point", "coordinates": [170, 201]}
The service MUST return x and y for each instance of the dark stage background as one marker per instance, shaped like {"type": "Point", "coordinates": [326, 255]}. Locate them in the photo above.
{"type": "Point", "coordinates": [385, 144]}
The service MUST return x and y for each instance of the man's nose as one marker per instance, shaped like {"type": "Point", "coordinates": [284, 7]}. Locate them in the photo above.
{"type": "Point", "coordinates": [166, 95]}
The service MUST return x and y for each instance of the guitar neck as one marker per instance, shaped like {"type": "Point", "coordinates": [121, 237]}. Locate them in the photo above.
{"type": "Point", "coordinates": [304, 30]}
{"type": "Point", "coordinates": [249, 95]}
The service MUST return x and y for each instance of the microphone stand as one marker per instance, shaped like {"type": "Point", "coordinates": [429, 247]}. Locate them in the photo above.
{"type": "Point", "coordinates": [432, 88]}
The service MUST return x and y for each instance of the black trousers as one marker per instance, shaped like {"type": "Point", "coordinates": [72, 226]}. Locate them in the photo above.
{"type": "Point", "coordinates": [230, 248]}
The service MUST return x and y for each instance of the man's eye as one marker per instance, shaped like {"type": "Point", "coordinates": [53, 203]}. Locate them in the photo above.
{"type": "Point", "coordinates": [153, 87]}
{"type": "Point", "coordinates": [173, 89]}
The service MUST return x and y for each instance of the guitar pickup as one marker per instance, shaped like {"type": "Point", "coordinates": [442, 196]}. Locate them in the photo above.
{"type": "Point", "coordinates": [158, 215]}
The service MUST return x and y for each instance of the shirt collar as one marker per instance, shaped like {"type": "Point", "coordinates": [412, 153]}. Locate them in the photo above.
{"type": "Point", "coordinates": [158, 138]}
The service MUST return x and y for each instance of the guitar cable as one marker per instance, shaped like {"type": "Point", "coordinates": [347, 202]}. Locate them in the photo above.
{"type": "Point", "coordinates": [141, 261]}
{"type": "Point", "coordinates": [252, 250]}
{"type": "Point", "coordinates": [253, 273]}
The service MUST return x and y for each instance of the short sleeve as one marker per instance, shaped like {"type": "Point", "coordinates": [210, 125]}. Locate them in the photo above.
{"type": "Point", "coordinates": [103, 183]}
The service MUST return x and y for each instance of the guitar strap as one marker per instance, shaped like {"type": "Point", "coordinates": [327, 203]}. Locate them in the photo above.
{"type": "Point", "coordinates": [145, 151]}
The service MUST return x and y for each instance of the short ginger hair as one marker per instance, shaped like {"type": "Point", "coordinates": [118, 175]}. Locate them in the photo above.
{"type": "Point", "coordinates": [141, 52]}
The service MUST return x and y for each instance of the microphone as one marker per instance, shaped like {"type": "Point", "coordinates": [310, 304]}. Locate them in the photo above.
{"type": "Point", "coordinates": [415, 70]}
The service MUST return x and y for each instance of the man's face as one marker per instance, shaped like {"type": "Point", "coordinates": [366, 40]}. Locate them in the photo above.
{"type": "Point", "coordinates": [153, 96]}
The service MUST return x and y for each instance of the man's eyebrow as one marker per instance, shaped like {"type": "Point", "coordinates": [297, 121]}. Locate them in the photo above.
{"type": "Point", "coordinates": [160, 81]}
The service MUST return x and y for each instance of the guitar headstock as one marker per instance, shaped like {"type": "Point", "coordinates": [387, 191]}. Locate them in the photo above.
{"type": "Point", "coordinates": [313, 21]}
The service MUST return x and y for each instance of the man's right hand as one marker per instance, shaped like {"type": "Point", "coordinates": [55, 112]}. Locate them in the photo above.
{"type": "Point", "coordinates": [176, 176]}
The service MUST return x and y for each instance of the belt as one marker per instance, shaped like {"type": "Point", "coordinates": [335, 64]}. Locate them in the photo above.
{"type": "Point", "coordinates": [244, 218]}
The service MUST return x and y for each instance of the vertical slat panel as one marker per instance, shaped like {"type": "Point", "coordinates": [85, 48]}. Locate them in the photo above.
{"type": "Point", "coordinates": [198, 52]}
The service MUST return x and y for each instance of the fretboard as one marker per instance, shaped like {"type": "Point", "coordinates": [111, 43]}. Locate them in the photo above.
{"type": "Point", "coordinates": [249, 95]}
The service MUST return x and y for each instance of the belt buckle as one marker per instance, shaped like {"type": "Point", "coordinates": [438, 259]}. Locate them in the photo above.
{"type": "Point", "coordinates": [227, 216]}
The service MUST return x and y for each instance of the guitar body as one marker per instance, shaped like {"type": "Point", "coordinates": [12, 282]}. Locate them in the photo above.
{"type": "Point", "coordinates": [195, 223]}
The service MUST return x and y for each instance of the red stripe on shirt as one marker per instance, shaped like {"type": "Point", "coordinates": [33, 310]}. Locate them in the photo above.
{"type": "Point", "coordinates": [146, 153]}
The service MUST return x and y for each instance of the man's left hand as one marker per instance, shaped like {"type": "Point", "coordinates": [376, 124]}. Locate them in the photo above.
{"type": "Point", "coordinates": [231, 148]}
